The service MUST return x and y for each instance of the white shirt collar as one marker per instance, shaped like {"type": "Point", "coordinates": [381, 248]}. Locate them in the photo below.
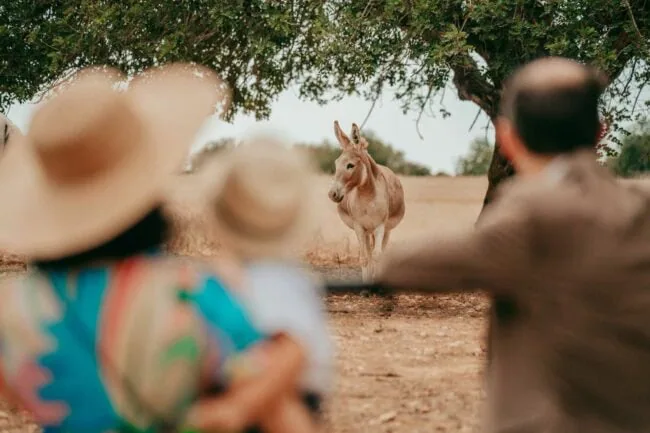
{"type": "Point", "coordinates": [555, 169]}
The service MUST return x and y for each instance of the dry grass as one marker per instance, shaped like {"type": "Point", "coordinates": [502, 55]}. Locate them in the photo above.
{"type": "Point", "coordinates": [433, 202]}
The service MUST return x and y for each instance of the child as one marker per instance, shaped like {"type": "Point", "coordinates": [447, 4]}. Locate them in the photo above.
{"type": "Point", "coordinates": [261, 208]}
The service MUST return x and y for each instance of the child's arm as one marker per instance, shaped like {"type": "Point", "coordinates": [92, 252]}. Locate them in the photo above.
{"type": "Point", "coordinates": [288, 416]}
{"type": "Point", "coordinates": [249, 400]}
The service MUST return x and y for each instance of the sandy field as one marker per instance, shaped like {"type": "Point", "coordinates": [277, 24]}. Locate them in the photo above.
{"type": "Point", "coordinates": [404, 366]}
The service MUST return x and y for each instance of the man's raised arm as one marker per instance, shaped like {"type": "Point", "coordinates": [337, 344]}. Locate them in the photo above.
{"type": "Point", "coordinates": [493, 256]}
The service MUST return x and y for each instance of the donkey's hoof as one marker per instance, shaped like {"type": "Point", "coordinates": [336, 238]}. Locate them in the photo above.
{"type": "Point", "coordinates": [383, 293]}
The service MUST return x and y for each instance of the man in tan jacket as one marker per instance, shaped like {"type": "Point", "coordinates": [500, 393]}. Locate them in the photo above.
{"type": "Point", "coordinates": [565, 253]}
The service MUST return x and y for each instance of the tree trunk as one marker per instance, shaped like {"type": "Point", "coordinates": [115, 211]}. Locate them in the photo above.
{"type": "Point", "coordinates": [500, 169]}
{"type": "Point", "coordinates": [502, 308]}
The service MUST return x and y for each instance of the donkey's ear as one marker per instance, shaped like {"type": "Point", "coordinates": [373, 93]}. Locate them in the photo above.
{"type": "Point", "coordinates": [363, 143]}
{"type": "Point", "coordinates": [357, 139]}
{"type": "Point", "coordinates": [343, 139]}
{"type": "Point", "coordinates": [356, 134]}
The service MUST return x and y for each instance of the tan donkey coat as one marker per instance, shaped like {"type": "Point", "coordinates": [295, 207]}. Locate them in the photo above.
{"type": "Point", "coordinates": [370, 197]}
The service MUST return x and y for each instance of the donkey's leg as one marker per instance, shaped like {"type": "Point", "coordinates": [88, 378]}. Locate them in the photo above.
{"type": "Point", "coordinates": [385, 242]}
{"type": "Point", "coordinates": [379, 235]}
{"type": "Point", "coordinates": [370, 268]}
{"type": "Point", "coordinates": [370, 238]}
{"type": "Point", "coordinates": [362, 238]}
{"type": "Point", "coordinates": [366, 261]}
{"type": "Point", "coordinates": [375, 250]}
{"type": "Point", "coordinates": [389, 296]}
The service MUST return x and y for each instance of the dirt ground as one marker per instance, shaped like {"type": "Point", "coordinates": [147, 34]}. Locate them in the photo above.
{"type": "Point", "coordinates": [404, 366]}
{"type": "Point", "coordinates": [413, 369]}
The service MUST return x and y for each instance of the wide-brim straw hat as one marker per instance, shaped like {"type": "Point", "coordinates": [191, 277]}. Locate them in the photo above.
{"type": "Point", "coordinates": [261, 203]}
{"type": "Point", "coordinates": [97, 159]}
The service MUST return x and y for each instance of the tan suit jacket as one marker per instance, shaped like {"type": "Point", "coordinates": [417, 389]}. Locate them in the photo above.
{"type": "Point", "coordinates": [567, 258]}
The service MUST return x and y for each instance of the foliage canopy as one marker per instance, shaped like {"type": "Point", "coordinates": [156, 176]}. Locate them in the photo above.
{"type": "Point", "coordinates": [383, 153]}
{"type": "Point", "coordinates": [634, 156]}
{"type": "Point", "coordinates": [332, 48]}
{"type": "Point", "coordinates": [477, 160]}
{"type": "Point", "coordinates": [325, 153]}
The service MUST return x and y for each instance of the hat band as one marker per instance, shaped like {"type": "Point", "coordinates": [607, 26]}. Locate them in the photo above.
{"type": "Point", "coordinates": [241, 227]}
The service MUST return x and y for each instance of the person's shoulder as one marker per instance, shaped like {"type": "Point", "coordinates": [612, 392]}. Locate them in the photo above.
{"type": "Point", "coordinates": [10, 284]}
{"type": "Point", "coordinates": [537, 208]}
{"type": "Point", "coordinates": [285, 268]}
{"type": "Point", "coordinates": [526, 191]}
{"type": "Point", "coordinates": [541, 196]}
{"type": "Point", "coordinates": [177, 273]}
{"type": "Point", "coordinates": [33, 279]}
{"type": "Point", "coordinates": [176, 264]}
{"type": "Point", "coordinates": [515, 199]}
{"type": "Point", "coordinates": [640, 186]}
{"type": "Point", "coordinates": [24, 290]}
{"type": "Point", "coordinates": [292, 276]}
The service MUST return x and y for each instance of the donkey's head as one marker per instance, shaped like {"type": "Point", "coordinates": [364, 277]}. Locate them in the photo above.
{"type": "Point", "coordinates": [351, 167]}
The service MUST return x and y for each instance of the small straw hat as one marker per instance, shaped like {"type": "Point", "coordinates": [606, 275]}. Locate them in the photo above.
{"type": "Point", "coordinates": [96, 159]}
{"type": "Point", "coordinates": [261, 202]}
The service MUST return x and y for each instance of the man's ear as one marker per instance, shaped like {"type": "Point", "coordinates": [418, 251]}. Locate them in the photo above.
{"type": "Point", "coordinates": [507, 140]}
{"type": "Point", "coordinates": [602, 131]}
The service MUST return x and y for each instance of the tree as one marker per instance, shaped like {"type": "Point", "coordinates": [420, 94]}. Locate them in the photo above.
{"type": "Point", "coordinates": [255, 45]}
{"type": "Point", "coordinates": [416, 47]}
{"type": "Point", "coordinates": [383, 153]}
{"type": "Point", "coordinates": [324, 154]}
{"type": "Point", "coordinates": [634, 157]}
{"type": "Point", "coordinates": [478, 158]}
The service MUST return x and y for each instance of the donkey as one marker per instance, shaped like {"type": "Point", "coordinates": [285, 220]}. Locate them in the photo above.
{"type": "Point", "coordinates": [370, 197]}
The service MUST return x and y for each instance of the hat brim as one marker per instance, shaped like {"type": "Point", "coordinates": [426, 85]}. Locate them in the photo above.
{"type": "Point", "coordinates": [211, 178]}
{"type": "Point", "coordinates": [44, 220]}
{"type": "Point", "coordinates": [287, 245]}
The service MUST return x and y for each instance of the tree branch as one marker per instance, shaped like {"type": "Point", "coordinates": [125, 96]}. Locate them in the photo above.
{"type": "Point", "coordinates": [424, 103]}
{"type": "Point", "coordinates": [372, 108]}
{"type": "Point", "coordinates": [636, 100]}
{"type": "Point", "coordinates": [623, 57]}
{"type": "Point", "coordinates": [478, 113]}
{"type": "Point", "coordinates": [642, 40]}
{"type": "Point", "coordinates": [472, 86]}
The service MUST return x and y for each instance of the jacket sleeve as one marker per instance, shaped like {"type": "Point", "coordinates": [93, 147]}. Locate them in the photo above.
{"type": "Point", "coordinates": [495, 256]}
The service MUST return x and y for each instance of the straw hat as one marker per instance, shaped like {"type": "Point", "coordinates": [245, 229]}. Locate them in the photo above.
{"type": "Point", "coordinates": [95, 159]}
{"type": "Point", "coordinates": [261, 203]}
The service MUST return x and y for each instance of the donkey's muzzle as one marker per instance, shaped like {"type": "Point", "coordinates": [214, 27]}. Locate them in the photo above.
{"type": "Point", "coordinates": [336, 197]}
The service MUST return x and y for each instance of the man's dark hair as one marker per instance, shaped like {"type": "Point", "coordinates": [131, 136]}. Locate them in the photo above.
{"type": "Point", "coordinates": [148, 233]}
{"type": "Point", "coordinates": [557, 113]}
